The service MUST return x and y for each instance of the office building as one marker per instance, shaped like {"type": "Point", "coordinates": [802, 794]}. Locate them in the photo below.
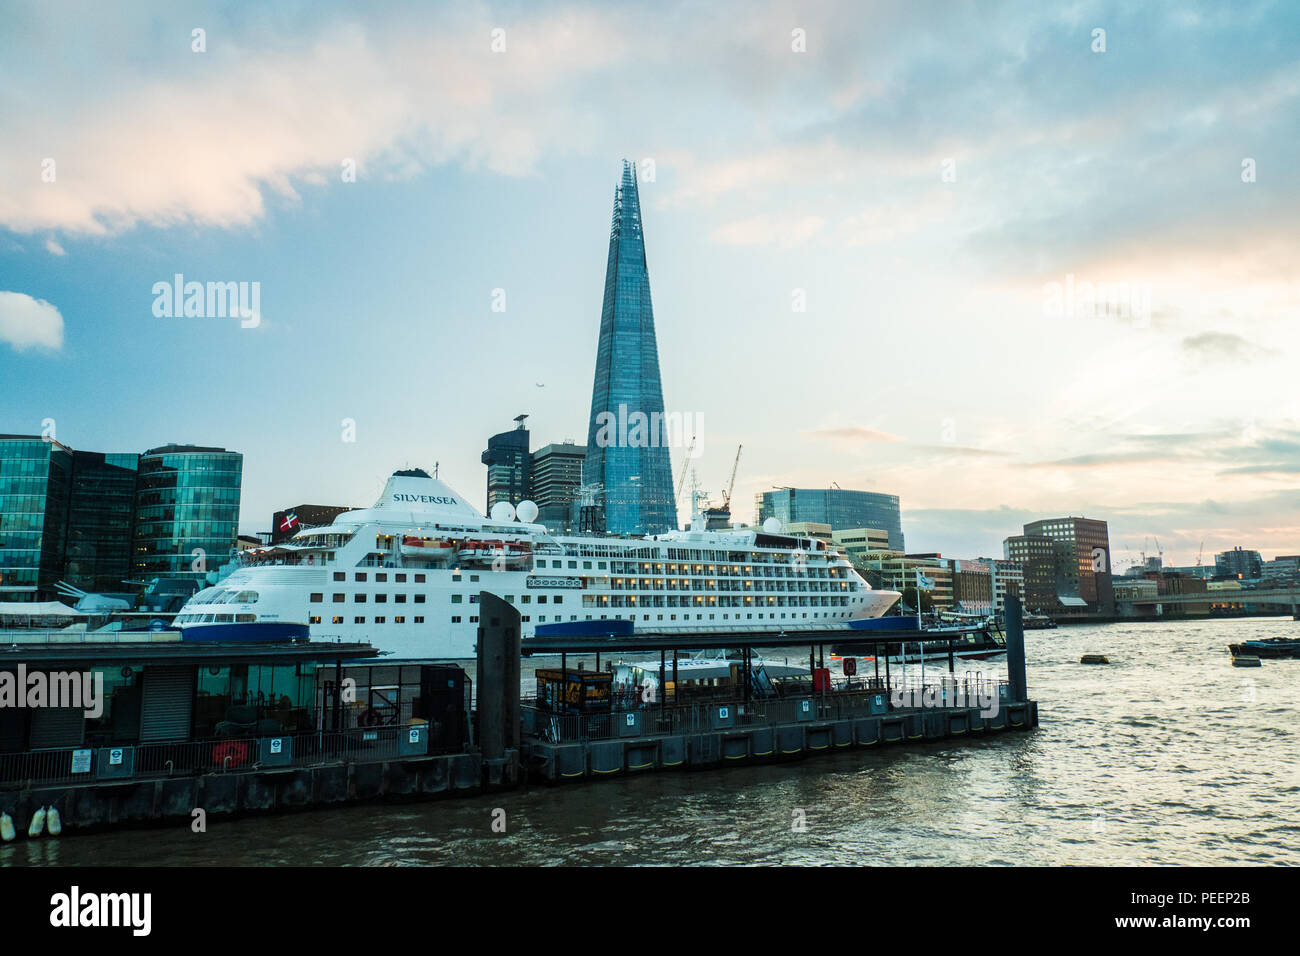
{"type": "Point", "coordinates": [627, 433]}
{"type": "Point", "coordinates": [1238, 563]}
{"type": "Point", "coordinates": [289, 521]}
{"type": "Point", "coordinates": [838, 507]}
{"type": "Point", "coordinates": [187, 511]}
{"type": "Point", "coordinates": [509, 466]}
{"type": "Point", "coordinates": [556, 476]}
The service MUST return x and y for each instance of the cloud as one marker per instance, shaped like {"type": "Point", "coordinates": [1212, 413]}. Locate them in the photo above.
{"type": "Point", "coordinates": [53, 248]}
{"type": "Point", "coordinates": [853, 433]}
{"type": "Point", "coordinates": [1223, 347]}
{"type": "Point", "coordinates": [26, 322]}
{"type": "Point", "coordinates": [208, 138]}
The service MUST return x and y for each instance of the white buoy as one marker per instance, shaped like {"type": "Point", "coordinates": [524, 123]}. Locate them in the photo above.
{"type": "Point", "coordinates": [53, 821]}
{"type": "Point", "coordinates": [6, 827]}
{"type": "Point", "coordinates": [38, 823]}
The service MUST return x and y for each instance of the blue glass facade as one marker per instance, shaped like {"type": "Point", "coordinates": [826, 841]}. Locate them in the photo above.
{"type": "Point", "coordinates": [627, 443]}
{"type": "Point", "coordinates": [188, 501]}
{"type": "Point", "coordinates": [35, 477]}
{"type": "Point", "coordinates": [836, 507]}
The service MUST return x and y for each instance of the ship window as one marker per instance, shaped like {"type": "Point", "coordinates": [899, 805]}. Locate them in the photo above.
{"type": "Point", "coordinates": [556, 564]}
{"type": "Point", "coordinates": [399, 598]}
{"type": "Point", "coordinates": [358, 620]}
{"type": "Point", "coordinates": [338, 598]}
{"type": "Point", "coordinates": [336, 620]}
{"type": "Point", "coordinates": [359, 598]}
{"type": "Point", "coordinates": [381, 598]}
{"type": "Point", "coordinates": [526, 599]}
{"type": "Point", "coordinates": [313, 620]}
{"type": "Point", "coordinates": [455, 619]}
{"type": "Point", "coordinates": [541, 599]}
{"type": "Point", "coordinates": [455, 598]}
{"type": "Point", "coordinates": [361, 575]}
{"type": "Point", "coordinates": [380, 620]}
{"type": "Point", "coordinates": [473, 599]}
{"type": "Point", "coordinates": [473, 578]}
{"type": "Point", "coordinates": [400, 578]}
{"type": "Point", "coordinates": [317, 597]}
{"type": "Point", "coordinates": [340, 576]}
{"type": "Point", "coordinates": [474, 619]}
{"type": "Point", "coordinates": [419, 620]}
{"type": "Point", "coordinates": [419, 579]}
{"type": "Point", "coordinates": [380, 577]}
{"type": "Point", "coordinates": [399, 620]}
{"type": "Point", "coordinates": [419, 599]}
{"type": "Point", "coordinates": [559, 599]}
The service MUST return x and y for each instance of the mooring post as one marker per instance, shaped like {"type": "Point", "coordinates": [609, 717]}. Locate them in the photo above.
{"type": "Point", "coordinates": [1016, 650]}
{"type": "Point", "coordinates": [498, 632]}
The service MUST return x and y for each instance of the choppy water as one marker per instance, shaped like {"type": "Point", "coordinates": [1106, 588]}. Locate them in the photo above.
{"type": "Point", "coordinates": [1168, 756]}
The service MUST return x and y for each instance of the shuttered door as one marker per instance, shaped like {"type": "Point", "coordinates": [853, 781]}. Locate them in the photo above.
{"type": "Point", "coordinates": [57, 727]}
{"type": "Point", "coordinates": [168, 700]}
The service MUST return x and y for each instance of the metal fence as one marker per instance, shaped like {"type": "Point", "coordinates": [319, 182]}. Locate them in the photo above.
{"type": "Point", "coordinates": [220, 755]}
{"type": "Point", "coordinates": [696, 715]}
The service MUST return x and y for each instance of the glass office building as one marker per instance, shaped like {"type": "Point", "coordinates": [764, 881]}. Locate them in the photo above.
{"type": "Point", "coordinates": [836, 507]}
{"type": "Point", "coordinates": [626, 454]}
{"type": "Point", "coordinates": [508, 461]}
{"type": "Point", "coordinates": [187, 510]}
{"type": "Point", "coordinates": [35, 476]}
{"type": "Point", "coordinates": [101, 519]}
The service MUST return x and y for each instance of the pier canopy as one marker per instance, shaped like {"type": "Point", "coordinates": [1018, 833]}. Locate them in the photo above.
{"type": "Point", "coordinates": [590, 639]}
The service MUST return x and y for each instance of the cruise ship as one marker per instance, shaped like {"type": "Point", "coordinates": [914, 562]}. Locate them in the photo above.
{"type": "Point", "coordinates": [406, 574]}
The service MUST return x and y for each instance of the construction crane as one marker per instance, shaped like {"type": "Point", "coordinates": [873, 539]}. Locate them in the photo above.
{"type": "Point", "coordinates": [681, 485]}
{"type": "Point", "coordinates": [726, 497]}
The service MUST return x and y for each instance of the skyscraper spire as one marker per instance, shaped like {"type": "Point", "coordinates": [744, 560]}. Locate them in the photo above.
{"type": "Point", "coordinates": [627, 435]}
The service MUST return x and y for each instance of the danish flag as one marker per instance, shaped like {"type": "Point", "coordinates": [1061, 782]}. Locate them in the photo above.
{"type": "Point", "coordinates": [290, 519]}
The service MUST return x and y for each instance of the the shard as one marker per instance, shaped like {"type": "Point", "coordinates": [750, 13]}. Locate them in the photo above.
{"type": "Point", "coordinates": [628, 434]}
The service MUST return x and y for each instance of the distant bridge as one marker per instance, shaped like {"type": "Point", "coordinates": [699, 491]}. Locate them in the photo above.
{"type": "Point", "coordinates": [1286, 597]}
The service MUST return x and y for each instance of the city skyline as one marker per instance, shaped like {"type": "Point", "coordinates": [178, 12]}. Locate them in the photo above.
{"type": "Point", "coordinates": [945, 353]}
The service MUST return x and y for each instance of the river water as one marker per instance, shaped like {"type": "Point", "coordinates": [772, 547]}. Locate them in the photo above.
{"type": "Point", "coordinates": [1168, 756]}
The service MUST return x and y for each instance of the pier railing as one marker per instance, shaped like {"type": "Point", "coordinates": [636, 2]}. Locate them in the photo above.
{"type": "Point", "coordinates": [218, 755]}
{"type": "Point", "coordinates": [698, 715]}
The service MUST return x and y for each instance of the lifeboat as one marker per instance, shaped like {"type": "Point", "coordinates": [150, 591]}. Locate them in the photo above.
{"type": "Point", "coordinates": [414, 546]}
{"type": "Point", "coordinates": [511, 552]}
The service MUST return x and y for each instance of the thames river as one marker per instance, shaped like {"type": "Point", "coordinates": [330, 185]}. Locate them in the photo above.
{"type": "Point", "coordinates": [1168, 756]}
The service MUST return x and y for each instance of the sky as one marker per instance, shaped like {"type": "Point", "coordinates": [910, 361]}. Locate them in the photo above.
{"type": "Point", "coordinates": [978, 255]}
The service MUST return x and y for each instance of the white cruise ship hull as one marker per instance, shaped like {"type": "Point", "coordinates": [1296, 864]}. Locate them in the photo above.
{"type": "Point", "coordinates": [386, 575]}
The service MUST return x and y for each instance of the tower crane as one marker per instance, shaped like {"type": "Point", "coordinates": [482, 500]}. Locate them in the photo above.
{"type": "Point", "coordinates": [726, 498]}
{"type": "Point", "coordinates": [681, 484]}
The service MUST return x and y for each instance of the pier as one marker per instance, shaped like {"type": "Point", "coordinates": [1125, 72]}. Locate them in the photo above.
{"type": "Point", "coordinates": [418, 731]}
{"type": "Point", "coordinates": [739, 726]}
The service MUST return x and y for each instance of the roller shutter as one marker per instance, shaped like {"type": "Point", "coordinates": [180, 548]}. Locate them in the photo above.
{"type": "Point", "coordinates": [168, 702]}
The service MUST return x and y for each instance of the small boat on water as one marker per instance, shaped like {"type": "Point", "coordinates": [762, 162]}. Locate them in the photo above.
{"type": "Point", "coordinates": [1269, 647]}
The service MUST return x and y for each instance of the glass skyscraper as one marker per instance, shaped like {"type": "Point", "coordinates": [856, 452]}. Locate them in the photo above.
{"type": "Point", "coordinates": [627, 439]}
{"type": "Point", "coordinates": [187, 509]}
{"type": "Point", "coordinates": [837, 507]}
{"type": "Point", "coordinates": [35, 477]}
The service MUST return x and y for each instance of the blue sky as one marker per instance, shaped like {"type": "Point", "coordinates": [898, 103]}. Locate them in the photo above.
{"type": "Point", "coordinates": [928, 178]}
